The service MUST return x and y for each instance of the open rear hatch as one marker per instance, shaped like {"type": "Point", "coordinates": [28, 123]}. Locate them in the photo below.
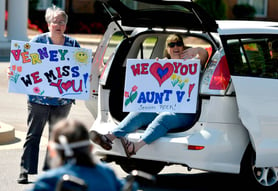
{"type": "Point", "coordinates": [162, 14]}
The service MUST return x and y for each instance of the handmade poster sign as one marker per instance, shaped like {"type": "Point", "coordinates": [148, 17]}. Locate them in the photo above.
{"type": "Point", "coordinates": [50, 70]}
{"type": "Point", "coordinates": [161, 85]}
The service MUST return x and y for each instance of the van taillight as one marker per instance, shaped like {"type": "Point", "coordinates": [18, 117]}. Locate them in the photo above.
{"type": "Point", "coordinates": [195, 147]}
{"type": "Point", "coordinates": [221, 75]}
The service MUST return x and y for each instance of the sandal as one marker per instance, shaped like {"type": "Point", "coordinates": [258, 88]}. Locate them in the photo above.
{"type": "Point", "coordinates": [126, 144]}
{"type": "Point", "coordinates": [101, 140]}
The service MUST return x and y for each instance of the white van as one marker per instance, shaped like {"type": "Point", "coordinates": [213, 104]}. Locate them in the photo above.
{"type": "Point", "coordinates": [237, 126]}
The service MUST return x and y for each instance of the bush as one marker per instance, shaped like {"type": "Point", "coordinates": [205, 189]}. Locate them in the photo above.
{"type": "Point", "coordinates": [216, 8]}
{"type": "Point", "coordinates": [244, 11]}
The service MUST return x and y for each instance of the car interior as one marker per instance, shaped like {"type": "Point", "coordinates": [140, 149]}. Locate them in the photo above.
{"type": "Point", "coordinates": [252, 57]}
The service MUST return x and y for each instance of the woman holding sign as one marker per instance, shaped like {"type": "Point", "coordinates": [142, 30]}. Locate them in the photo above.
{"type": "Point", "coordinates": [158, 124]}
{"type": "Point", "coordinates": [41, 109]}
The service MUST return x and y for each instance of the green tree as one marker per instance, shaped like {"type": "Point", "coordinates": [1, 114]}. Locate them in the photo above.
{"type": "Point", "coordinates": [216, 8]}
{"type": "Point", "coordinates": [244, 11]}
{"type": "Point", "coordinates": [33, 4]}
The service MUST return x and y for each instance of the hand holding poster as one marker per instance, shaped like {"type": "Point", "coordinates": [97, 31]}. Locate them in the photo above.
{"type": "Point", "coordinates": [161, 85]}
{"type": "Point", "coordinates": [49, 70]}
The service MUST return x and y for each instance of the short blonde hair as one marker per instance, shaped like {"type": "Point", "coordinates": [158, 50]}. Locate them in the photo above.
{"type": "Point", "coordinates": [172, 37]}
{"type": "Point", "coordinates": [52, 11]}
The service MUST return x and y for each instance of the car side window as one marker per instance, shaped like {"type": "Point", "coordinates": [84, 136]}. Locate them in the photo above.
{"type": "Point", "coordinates": [194, 41]}
{"type": "Point", "coordinates": [146, 48]}
{"type": "Point", "coordinates": [251, 57]}
{"type": "Point", "coordinates": [115, 40]}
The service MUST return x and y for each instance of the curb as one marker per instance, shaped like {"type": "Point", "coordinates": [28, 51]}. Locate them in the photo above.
{"type": "Point", "coordinates": [7, 133]}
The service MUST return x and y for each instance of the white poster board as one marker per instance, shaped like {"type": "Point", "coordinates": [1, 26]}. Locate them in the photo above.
{"type": "Point", "coordinates": [161, 85]}
{"type": "Point", "coordinates": [50, 70]}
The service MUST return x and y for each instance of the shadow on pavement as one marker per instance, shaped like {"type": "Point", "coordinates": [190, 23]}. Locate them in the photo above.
{"type": "Point", "coordinates": [16, 140]}
{"type": "Point", "coordinates": [194, 182]}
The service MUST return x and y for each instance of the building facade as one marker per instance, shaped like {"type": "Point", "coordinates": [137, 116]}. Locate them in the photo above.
{"type": "Point", "coordinates": [265, 9]}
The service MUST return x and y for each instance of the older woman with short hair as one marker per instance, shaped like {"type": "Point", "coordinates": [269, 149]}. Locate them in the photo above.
{"type": "Point", "coordinates": [42, 109]}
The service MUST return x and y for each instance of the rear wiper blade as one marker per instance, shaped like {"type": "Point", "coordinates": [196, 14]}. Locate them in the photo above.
{"type": "Point", "coordinates": [114, 19]}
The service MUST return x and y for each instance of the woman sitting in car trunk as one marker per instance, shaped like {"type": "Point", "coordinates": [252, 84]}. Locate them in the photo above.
{"type": "Point", "coordinates": [158, 124]}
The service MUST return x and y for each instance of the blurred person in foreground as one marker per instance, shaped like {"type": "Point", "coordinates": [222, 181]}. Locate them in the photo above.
{"type": "Point", "coordinates": [70, 153]}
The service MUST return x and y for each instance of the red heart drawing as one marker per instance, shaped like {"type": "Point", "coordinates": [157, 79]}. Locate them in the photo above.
{"type": "Point", "coordinates": [66, 85]}
{"type": "Point", "coordinates": [161, 73]}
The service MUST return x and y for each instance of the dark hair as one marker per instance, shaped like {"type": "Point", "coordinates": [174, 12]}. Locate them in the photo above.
{"type": "Point", "coordinates": [275, 45]}
{"type": "Point", "coordinates": [74, 131]}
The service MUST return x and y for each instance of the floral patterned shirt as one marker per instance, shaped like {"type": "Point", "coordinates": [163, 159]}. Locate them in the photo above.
{"type": "Point", "coordinates": [43, 100]}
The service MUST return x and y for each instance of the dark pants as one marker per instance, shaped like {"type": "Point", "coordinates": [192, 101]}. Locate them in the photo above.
{"type": "Point", "coordinates": [38, 116]}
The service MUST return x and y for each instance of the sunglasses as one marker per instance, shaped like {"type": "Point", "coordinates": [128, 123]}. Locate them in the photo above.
{"type": "Point", "coordinates": [173, 44]}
